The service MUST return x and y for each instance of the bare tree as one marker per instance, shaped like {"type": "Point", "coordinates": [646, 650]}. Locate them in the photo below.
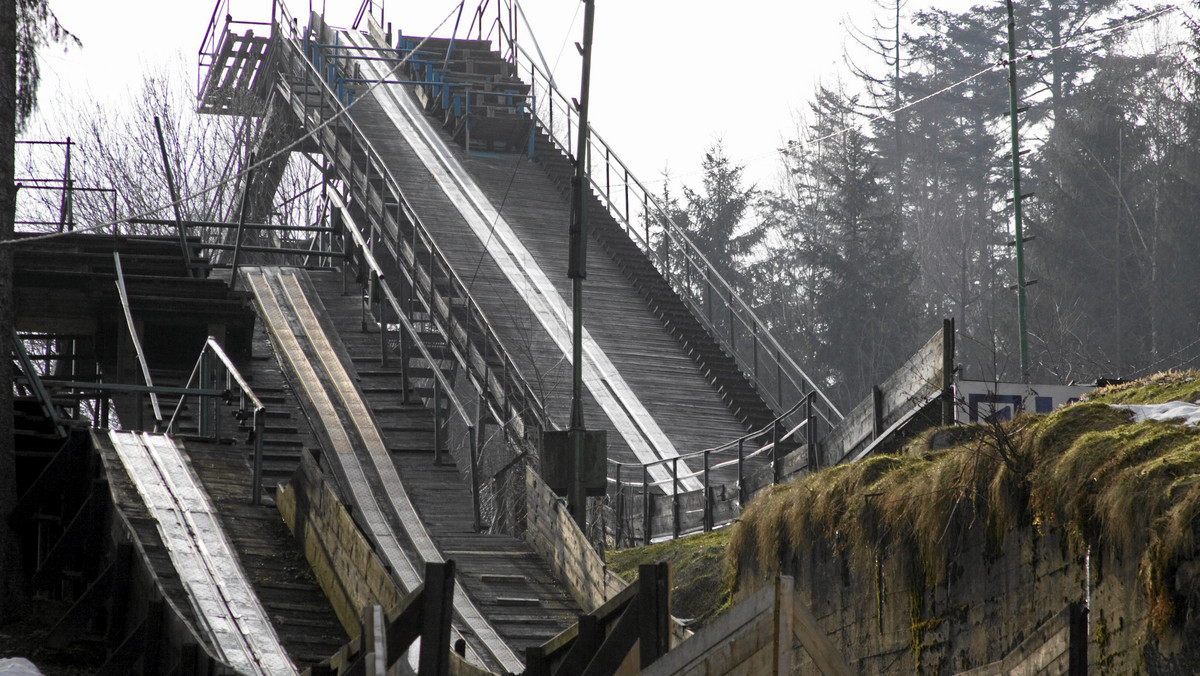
{"type": "Point", "coordinates": [116, 146]}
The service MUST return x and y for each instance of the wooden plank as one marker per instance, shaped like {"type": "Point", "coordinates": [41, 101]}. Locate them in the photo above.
{"type": "Point", "coordinates": [804, 626]}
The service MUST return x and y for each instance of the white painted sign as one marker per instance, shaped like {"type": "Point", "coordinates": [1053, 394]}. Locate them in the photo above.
{"type": "Point", "coordinates": [988, 401]}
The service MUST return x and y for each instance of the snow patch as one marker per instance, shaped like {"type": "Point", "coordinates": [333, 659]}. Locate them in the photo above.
{"type": "Point", "coordinates": [18, 666]}
{"type": "Point", "coordinates": [1172, 411]}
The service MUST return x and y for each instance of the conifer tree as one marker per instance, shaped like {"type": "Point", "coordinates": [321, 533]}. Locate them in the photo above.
{"type": "Point", "coordinates": [716, 217]}
{"type": "Point", "coordinates": [857, 277]}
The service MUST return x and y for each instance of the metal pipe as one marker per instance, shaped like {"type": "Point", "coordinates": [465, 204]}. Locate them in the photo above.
{"type": "Point", "coordinates": [237, 242]}
{"type": "Point", "coordinates": [137, 343]}
{"type": "Point", "coordinates": [175, 205]}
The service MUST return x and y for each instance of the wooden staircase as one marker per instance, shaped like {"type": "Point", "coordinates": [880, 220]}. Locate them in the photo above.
{"type": "Point", "coordinates": [511, 585]}
{"type": "Point", "coordinates": [476, 93]}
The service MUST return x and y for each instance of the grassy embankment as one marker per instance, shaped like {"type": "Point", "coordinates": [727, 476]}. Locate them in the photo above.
{"type": "Point", "coordinates": [1086, 470]}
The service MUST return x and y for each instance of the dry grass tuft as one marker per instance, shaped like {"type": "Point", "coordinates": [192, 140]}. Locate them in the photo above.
{"type": "Point", "coordinates": [1156, 389]}
{"type": "Point", "coordinates": [701, 586]}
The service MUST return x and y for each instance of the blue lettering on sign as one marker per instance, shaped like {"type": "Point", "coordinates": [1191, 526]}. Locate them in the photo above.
{"type": "Point", "coordinates": [998, 407]}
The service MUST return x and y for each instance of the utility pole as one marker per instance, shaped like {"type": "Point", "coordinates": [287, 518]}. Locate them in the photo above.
{"type": "Point", "coordinates": [577, 272]}
{"type": "Point", "coordinates": [1013, 111]}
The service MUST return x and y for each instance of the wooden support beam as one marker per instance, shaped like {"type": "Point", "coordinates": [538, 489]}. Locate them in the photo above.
{"type": "Point", "coordinates": [617, 644]}
{"type": "Point", "coordinates": [75, 621]}
{"type": "Point", "coordinates": [439, 610]}
{"type": "Point", "coordinates": [585, 646]}
{"type": "Point", "coordinates": [74, 538]}
{"type": "Point", "coordinates": [535, 661]}
{"type": "Point", "coordinates": [653, 604]}
{"type": "Point", "coordinates": [406, 628]}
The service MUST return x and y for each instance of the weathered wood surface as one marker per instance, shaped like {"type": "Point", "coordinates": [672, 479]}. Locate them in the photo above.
{"type": "Point", "coordinates": [282, 580]}
{"type": "Point", "coordinates": [330, 354]}
{"type": "Point", "coordinates": [228, 609]}
{"type": "Point", "coordinates": [919, 376]}
{"type": "Point", "coordinates": [513, 587]}
{"type": "Point", "coordinates": [649, 359]}
{"type": "Point", "coordinates": [758, 635]}
{"type": "Point", "coordinates": [553, 533]}
{"type": "Point", "coordinates": [303, 616]}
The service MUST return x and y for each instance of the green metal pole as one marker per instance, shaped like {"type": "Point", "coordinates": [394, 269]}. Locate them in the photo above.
{"type": "Point", "coordinates": [1016, 180]}
{"type": "Point", "coordinates": [577, 272]}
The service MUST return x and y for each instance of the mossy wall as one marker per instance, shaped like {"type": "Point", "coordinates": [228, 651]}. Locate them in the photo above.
{"type": "Point", "coordinates": [946, 556]}
{"type": "Point", "coordinates": [889, 623]}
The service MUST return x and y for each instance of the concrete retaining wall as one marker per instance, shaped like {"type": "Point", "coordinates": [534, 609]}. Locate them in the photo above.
{"type": "Point", "coordinates": [556, 537]}
{"type": "Point", "coordinates": [997, 602]}
{"type": "Point", "coordinates": [345, 565]}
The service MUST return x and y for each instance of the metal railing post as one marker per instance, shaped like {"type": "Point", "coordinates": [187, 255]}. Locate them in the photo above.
{"type": "Point", "coordinates": [779, 379]}
{"type": "Point", "coordinates": [810, 433]}
{"type": "Point", "coordinates": [619, 528]}
{"type": "Point", "coordinates": [404, 339]}
{"type": "Point", "coordinates": [607, 175]}
{"type": "Point", "coordinates": [776, 460]}
{"type": "Point", "coordinates": [365, 299]}
{"type": "Point", "coordinates": [754, 339]}
{"type": "Point", "coordinates": [732, 332]}
{"type": "Point", "coordinates": [260, 425]}
{"type": "Point", "coordinates": [203, 403]}
{"type": "Point", "coordinates": [383, 326]}
{"type": "Point", "coordinates": [741, 473]}
{"type": "Point", "coordinates": [675, 496]}
{"type": "Point", "coordinates": [473, 441]}
{"type": "Point", "coordinates": [628, 220]}
{"type": "Point", "coordinates": [708, 515]}
{"type": "Point", "coordinates": [646, 521]}
{"type": "Point", "coordinates": [437, 417]}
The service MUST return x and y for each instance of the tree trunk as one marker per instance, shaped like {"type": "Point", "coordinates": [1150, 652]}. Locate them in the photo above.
{"type": "Point", "coordinates": [13, 597]}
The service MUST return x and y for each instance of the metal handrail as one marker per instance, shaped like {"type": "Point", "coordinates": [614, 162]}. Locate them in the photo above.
{"type": "Point", "coordinates": [502, 388]}
{"type": "Point", "coordinates": [511, 375]}
{"type": "Point", "coordinates": [727, 445]}
{"type": "Point", "coordinates": [200, 372]}
{"type": "Point", "coordinates": [136, 341]}
{"type": "Point", "coordinates": [442, 385]}
{"type": "Point", "coordinates": [736, 308]}
{"type": "Point", "coordinates": [643, 488]}
{"type": "Point", "coordinates": [411, 330]}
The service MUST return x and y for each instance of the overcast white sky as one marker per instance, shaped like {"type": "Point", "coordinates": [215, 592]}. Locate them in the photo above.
{"type": "Point", "coordinates": [668, 79]}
